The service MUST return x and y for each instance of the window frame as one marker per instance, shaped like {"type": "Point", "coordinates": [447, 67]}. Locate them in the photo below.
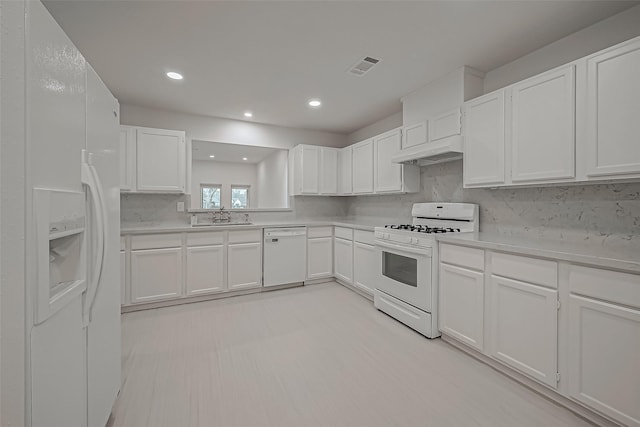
{"type": "Point", "coordinates": [203, 186]}
{"type": "Point", "coordinates": [241, 187]}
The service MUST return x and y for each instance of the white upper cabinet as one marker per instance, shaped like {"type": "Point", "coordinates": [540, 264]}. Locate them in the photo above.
{"type": "Point", "coordinates": [345, 171]}
{"type": "Point", "coordinates": [328, 170]}
{"type": "Point", "coordinates": [313, 170]}
{"type": "Point", "coordinates": [363, 167]}
{"type": "Point", "coordinates": [484, 140]}
{"type": "Point", "coordinates": [613, 112]}
{"type": "Point", "coordinates": [152, 160]}
{"type": "Point", "coordinates": [388, 175]}
{"type": "Point", "coordinates": [542, 127]}
{"type": "Point", "coordinates": [160, 160]}
{"type": "Point", "coordinates": [415, 134]}
{"type": "Point", "coordinates": [127, 158]}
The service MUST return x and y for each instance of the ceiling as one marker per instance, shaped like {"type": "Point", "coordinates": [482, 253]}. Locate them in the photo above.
{"type": "Point", "coordinates": [230, 153]}
{"type": "Point", "coordinates": [271, 57]}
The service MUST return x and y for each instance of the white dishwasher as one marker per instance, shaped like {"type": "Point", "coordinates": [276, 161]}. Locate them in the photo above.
{"type": "Point", "coordinates": [285, 255]}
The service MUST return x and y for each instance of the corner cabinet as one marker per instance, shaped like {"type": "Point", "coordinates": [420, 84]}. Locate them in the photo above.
{"type": "Point", "coordinates": [152, 160]}
{"type": "Point", "coordinates": [313, 170]}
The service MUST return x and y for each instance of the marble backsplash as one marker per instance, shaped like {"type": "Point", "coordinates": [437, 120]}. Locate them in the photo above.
{"type": "Point", "coordinates": [607, 214]}
{"type": "Point", "coordinates": [160, 209]}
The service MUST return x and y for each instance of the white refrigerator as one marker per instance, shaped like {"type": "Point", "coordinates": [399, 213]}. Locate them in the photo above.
{"type": "Point", "coordinates": [72, 312]}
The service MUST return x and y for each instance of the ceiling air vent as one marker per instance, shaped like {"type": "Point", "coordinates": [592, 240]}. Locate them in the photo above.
{"type": "Point", "coordinates": [360, 68]}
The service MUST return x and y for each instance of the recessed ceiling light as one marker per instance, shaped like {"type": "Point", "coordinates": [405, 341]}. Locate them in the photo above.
{"type": "Point", "coordinates": [248, 114]}
{"type": "Point", "coordinates": [175, 76]}
{"type": "Point", "coordinates": [244, 158]}
{"type": "Point", "coordinates": [212, 156]}
{"type": "Point", "coordinates": [314, 103]}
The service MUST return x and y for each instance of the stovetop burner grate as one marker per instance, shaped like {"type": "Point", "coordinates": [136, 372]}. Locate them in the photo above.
{"type": "Point", "coordinates": [422, 228]}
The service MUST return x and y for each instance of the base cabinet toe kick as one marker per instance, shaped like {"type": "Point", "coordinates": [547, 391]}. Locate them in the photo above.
{"type": "Point", "coordinates": [570, 331]}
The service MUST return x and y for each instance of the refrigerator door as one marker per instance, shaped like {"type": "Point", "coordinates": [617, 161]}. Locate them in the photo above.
{"type": "Point", "coordinates": [55, 136]}
{"type": "Point", "coordinates": [103, 330]}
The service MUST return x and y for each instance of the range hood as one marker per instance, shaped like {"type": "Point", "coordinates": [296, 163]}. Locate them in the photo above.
{"type": "Point", "coordinates": [444, 150]}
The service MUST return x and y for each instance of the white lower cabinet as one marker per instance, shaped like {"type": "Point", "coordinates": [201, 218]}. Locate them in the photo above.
{"type": "Point", "coordinates": [524, 328]}
{"type": "Point", "coordinates": [319, 258]}
{"type": "Point", "coordinates": [244, 266]}
{"type": "Point", "coordinates": [343, 259]}
{"type": "Point", "coordinates": [604, 369]}
{"type": "Point", "coordinates": [365, 267]}
{"type": "Point", "coordinates": [156, 274]}
{"type": "Point", "coordinates": [461, 308]}
{"type": "Point", "coordinates": [205, 270]}
{"type": "Point", "coordinates": [123, 277]}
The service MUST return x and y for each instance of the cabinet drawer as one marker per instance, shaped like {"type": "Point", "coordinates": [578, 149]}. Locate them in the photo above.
{"type": "Point", "coordinates": [462, 256]}
{"type": "Point", "coordinates": [245, 236]}
{"type": "Point", "coordinates": [205, 238]}
{"type": "Point", "coordinates": [344, 233]}
{"type": "Point", "coordinates": [614, 286]}
{"type": "Point", "coordinates": [315, 232]}
{"type": "Point", "coordinates": [362, 236]}
{"type": "Point", "coordinates": [156, 241]}
{"type": "Point", "coordinates": [531, 270]}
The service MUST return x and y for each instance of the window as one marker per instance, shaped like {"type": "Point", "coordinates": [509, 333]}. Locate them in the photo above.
{"type": "Point", "coordinates": [240, 196]}
{"type": "Point", "coordinates": [210, 196]}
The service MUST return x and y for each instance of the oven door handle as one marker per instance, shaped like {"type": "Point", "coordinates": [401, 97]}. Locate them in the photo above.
{"type": "Point", "coordinates": [405, 249]}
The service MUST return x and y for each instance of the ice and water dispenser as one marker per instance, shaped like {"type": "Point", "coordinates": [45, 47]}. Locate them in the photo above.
{"type": "Point", "coordinates": [61, 241]}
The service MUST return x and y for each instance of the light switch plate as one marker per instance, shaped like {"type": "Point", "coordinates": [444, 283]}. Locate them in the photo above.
{"type": "Point", "coordinates": [180, 207]}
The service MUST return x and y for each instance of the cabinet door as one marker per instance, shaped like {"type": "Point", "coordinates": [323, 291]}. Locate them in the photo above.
{"type": "Point", "coordinates": [414, 134]}
{"type": "Point", "coordinates": [604, 344]}
{"type": "Point", "coordinates": [445, 125]}
{"type": "Point", "coordinates": [123, 278]}
{"type": "Point", "coordinates": [366, 267]}
{"type": "Point", "coordinates": [363, 167]}
{"type": "Point", "coordinates": [613, 103]}
{"type": "Point", "coordinates": [343, 259]}
{"type": "Point", "coordinates": [542, 127]}
{"type": "Point", "coordinates": [160, 160]}
{"type": "Point", "coordinates": [345, 170]}
{"type": "Point", "coordinates": [388, 175]}
{"type": "Point", "coordinates": [310, 170]}
{"type": "Point", "coordinates": [484, 141]}
{"type": "Point", "coordinates": [244, 266]}
{"type": "Point", "coordinates": [461, 305]}
{"type": "Point", "coordinates": [127, 158]}
{"type": "Point", "coordinates": [329, 171]}
{"type": "Point", "coordinates": [205, 270]}
{"type": "Point", "coordinates": [524, 328]}
{"type": "Point", "coordinates": [156, 274]}
{"type": "Point", "coordinates": [319, 258]}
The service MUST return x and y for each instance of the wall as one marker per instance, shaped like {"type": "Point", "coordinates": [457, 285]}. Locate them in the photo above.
{"type": "Point", "coordinates": [603, 34]}
{"type": "Point", "coordinates": [225, 174]}
{"type": "Point", "coordinates": [225, 130]}
{"type": "Point", "coordinates": [601, 214]}
{"type": "Point", "coordinates": [271, 181]}
{"type": "Point", "coordinates": [376, 128]}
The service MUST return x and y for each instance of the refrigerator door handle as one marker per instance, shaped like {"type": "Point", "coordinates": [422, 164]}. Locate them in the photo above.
{"type": "Point", "coordinates": [91, 181]}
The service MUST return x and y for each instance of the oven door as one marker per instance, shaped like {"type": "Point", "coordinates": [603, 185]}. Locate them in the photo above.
{"type": "Point", "coordinates": [406, 273]}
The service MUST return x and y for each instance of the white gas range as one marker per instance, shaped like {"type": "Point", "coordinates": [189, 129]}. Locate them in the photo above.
{"type": "Point", "coordinates": [407, 287]}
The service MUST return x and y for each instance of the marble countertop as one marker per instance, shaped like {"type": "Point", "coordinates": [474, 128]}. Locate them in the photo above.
{"type": "Point", "coordinates": [364, 224]}
{"type": "Point", "coordinates": [584, 253]}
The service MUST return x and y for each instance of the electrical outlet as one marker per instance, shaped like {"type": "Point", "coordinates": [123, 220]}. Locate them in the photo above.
{"type": "Point", "coordinates": [180, 207]}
